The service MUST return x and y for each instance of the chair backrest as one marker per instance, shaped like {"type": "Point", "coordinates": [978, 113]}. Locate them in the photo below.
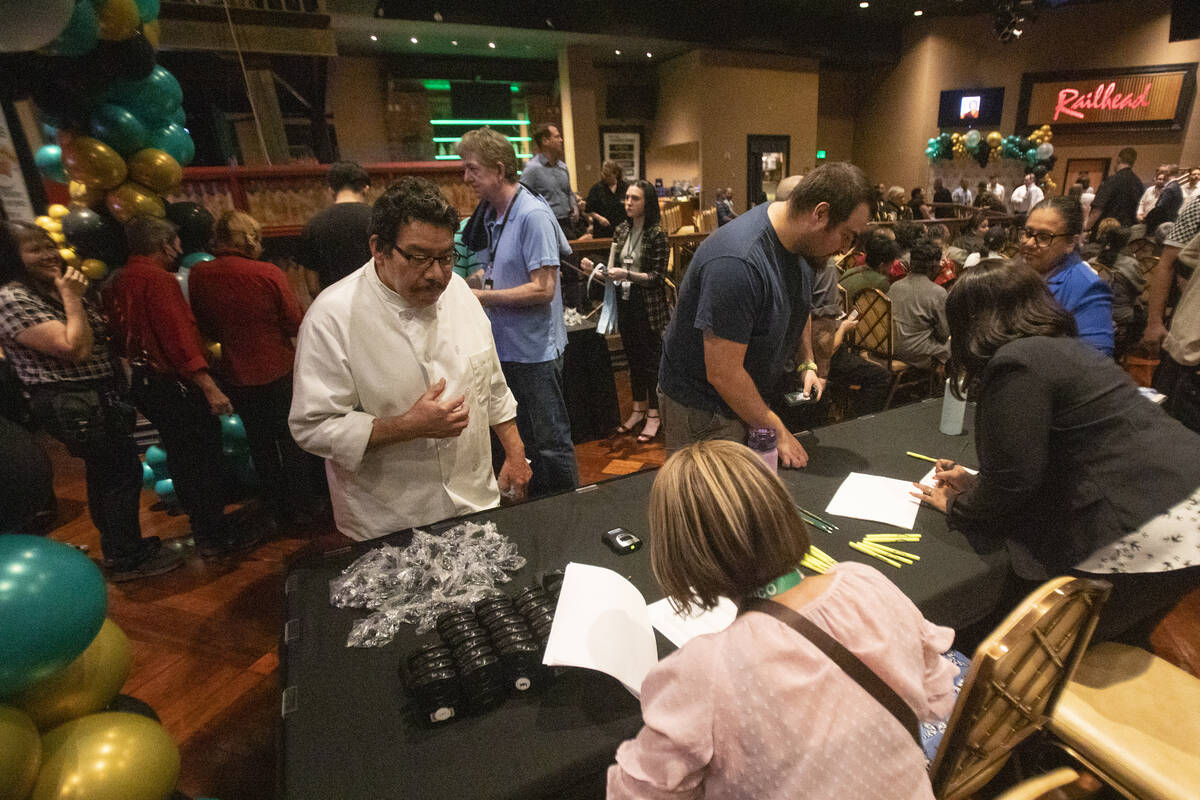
{"type": "Point", "coordinates": [873, 332]}
{"type": "Point", "coordinates": [706, 220]}
{"type": "Point", "coordinates": [843, 299]}
{"type": "Point", "coordinates": [1014, 680]}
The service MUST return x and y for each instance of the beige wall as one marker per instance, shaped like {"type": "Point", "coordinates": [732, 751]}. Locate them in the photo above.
{"type": "Point", "coordinates": [718, 99]}
{"type": "Point", "coordinates": [357, 100]}
{"type": "Point", "coordinates": [897, 118]}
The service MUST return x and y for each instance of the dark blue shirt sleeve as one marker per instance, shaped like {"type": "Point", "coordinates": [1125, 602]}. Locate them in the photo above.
{"type": "Point", "coordinates": [729, 299]}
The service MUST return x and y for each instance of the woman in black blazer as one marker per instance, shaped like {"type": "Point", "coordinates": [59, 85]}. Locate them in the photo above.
{"type": "Point", "coordinates": [1078, 473]}
{"type": "Point", "coordinates": [638, 263]}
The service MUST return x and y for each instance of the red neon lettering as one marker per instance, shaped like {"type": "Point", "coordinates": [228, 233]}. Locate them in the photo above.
{"type": "Point", "coordinates": [1104, 97]}
{"type": "Point", "coordinates": [1065, 98]}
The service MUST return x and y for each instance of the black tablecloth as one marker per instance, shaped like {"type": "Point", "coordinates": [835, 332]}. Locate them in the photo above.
{"type": "Point", "coordinates": [346, 733]}
{"type": "Point", "coordinates": [588, 386]}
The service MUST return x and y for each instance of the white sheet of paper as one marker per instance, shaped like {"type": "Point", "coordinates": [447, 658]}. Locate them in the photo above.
{"type": "Point", "coordinates": [601, 623]}
{"type": "Point", "coordinates": [682, 628]}
{"type": "Point", "coordinates": [874, 497]}
{"type": "Point", "coordinates": [929, 481]}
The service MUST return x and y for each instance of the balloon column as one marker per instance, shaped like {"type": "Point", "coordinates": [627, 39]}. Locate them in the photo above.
{"type": "Point", "coordinates": [1035, 150]}
{"type": "Point", "coordinates": [156, 476]}
{"type": "Point", "coordinates": [62, 663]}
{"type": "Point", "coordinates": [114, 117]}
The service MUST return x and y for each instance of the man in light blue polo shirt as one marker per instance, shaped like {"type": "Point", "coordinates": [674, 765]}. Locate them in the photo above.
{"type": "Point", "coordinates": [546, 173]}
{"type": "Point", "coordinates": [520, 247]}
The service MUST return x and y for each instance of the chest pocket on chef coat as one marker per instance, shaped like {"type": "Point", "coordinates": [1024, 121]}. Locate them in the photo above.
{"type": "Point", "coordinates": [481, 376]}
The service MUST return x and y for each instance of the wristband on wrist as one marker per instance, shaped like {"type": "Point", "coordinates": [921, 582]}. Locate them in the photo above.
{"type": "Point", "coordinates": [807, 366]}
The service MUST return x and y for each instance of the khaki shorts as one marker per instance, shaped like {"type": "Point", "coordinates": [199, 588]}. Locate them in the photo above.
{"type": "Point", "coordinates": [683, 425]}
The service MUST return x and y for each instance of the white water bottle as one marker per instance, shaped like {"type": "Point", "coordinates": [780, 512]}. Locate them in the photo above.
{"type": "Point", "coordinates": [953, 413]}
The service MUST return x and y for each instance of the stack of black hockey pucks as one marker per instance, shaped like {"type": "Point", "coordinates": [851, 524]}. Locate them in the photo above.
{"type": "Point", "coordinates": [537, 607]}
{"type": "Point", "coordinates": [480, 671]}
{"type": "Point", "coordinates": [433, 682]}
{"type": "Point", "coordinates": [514, 640]}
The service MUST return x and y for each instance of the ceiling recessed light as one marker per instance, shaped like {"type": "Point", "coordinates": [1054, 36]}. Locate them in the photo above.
{"type": "Point", "coordinates": [454, 42]}
{"type": "Point", "coordinates": [864, 4]}
{"type": "Point", "coordinates": [918, 13]}
{"type": "Point", "coordinates": [492, 45]}
{"type": "Point", "coordinates": [616, 52]}
{"type": "Point", "coordinates": [649, 55]}
{"type": "Point", "coordinates": [412, 39]}
{"type": "Point", "coordinates": [374, 38]}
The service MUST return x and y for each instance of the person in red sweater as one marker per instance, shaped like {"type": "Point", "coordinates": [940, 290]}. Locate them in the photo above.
{"type": "Point", "coordinates": [154, 329]}
{"type": "Point", "coordinates": [248, 306]}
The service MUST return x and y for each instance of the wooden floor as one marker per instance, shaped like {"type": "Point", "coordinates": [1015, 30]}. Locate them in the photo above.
{"type": "Point", "coordinates": [204, 636]}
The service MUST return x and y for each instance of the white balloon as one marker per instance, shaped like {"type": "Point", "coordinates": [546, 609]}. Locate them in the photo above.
{"type": "Point", "coordinates": [28, 26]}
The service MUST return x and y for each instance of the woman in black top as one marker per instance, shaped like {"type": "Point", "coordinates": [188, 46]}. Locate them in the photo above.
{"type": "Point", "coordinates": [1078, 473]}
{"type": "Point", "coordinates": [606, 200]}
{"type": "Point", "coordinates": [638, 262]}
{"type": "Point", "coordinates": [57, 342]}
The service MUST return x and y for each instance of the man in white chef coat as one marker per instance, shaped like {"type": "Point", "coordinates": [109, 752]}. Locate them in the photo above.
{"type": "Point", "coordinates": [397, 380]}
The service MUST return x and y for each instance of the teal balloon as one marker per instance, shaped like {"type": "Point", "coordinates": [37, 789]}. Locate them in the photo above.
{"type": "Point", "coordinates": [147, 10]}
{"type": "Point", "coordinates": [118, 128]}
{"type": "Point", "coordinates": [81, 34]}
{"type": "Point", "coordinates": [49, 161]}
{"type": "Point", "coordinates": [148, 477]}
{"type": "Point", "coordinates": [156, 457]}
{"type": "Point", "coordinates": [191, 259]}
{"type": "Point", "coordinates": [232, 429]}
{"type": "Point", "coordinates": [971, 140]}
{"type": "Point", "coordinates": [174, 140]}
{"type": "Point", "coordinates": [49, 132]}
{"type": "Point", "coordinates": [165, 488]}
{"type": "Point", "coordinates": [52, 604]}
{"type": "Point", "coordinates": [179, 116]}
{"type": "Point", "coordinates": [153, 98]}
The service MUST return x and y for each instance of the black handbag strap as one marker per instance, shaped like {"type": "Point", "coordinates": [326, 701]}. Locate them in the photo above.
{"type": "Point", "coordinates": [851, 664]}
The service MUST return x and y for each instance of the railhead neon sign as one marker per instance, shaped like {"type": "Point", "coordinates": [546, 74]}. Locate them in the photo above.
{"type": "Point", "coordinates": [1074, 103]}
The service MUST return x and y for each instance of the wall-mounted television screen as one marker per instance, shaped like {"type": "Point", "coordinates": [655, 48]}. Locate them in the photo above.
{"type": "Point", "coordinates": [971, 108]}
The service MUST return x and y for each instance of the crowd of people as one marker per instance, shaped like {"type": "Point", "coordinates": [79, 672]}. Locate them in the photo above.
{"type": "Point", "coordinates": [425, 382]}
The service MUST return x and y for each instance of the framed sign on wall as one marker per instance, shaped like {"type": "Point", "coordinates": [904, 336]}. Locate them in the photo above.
{"type": "Point", "coordinates": [624, 146]}
{"type": "Point", "coordinates": [1125, 98]}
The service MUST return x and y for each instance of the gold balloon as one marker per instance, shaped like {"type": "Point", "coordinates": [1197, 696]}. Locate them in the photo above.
{"type": "Point", "coordinates": [69, 256]}
{"type": "Point", "coordinates": [57, 211]}
{"type": "Point", "coordinates": [58, 238]}
{"type": "Point", "coordinates": [48, 223]}
{"type": "Point", "coordinates": [20, 753]}
{"type": "Point", "coordinates": [129, 200]}
{"type": "Point", "coordinates": [82, 195]}
{"type": "Point", "coordinates": [118, 19]}
{"type": "Point", "coordinates": [90, 682]}
{"type": "Point", "coordinates": [93, 163]}
{"type": "Point", "coordinates": [107, 756]}
{"type": "Point", "coordinates": [97, 270]}
{"type": "Point", "coordinates": [152, 32]}
{"type": "Point", "coordinates": [155, 170]}
{"type": "Point", "coordinates": [995, 139]}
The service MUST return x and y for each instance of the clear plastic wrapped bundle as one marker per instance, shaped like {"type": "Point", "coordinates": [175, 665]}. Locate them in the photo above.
{"type": "Point", "coordinates": [417, 583]}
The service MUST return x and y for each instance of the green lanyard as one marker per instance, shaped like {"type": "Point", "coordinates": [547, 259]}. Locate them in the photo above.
{"type": "Point", "coordinates": [780, 585]}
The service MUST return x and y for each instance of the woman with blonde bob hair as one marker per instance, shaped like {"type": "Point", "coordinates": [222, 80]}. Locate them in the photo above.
{"type": "Point", "coordinates": [758, 710]}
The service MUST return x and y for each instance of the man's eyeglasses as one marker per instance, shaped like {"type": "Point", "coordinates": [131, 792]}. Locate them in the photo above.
{"type": "Point", "coordinates": [422, 261]}
{"type": "Point", "coordinates": [1043, 238]}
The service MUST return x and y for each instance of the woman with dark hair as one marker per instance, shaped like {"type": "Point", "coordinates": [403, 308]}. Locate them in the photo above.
{"type": "Point", "coordinates": [638, 262]}
{"type": "Point", "coordinates": [917, 205]}
{"type": "Point", "coordinates": [57, 342]}
{"type": "Point", "coordinates": [1078, 473]}
{"type": "Point", "coordinates": [606, 200]}
{"type": "Point", "coordinates": [971, 239]}
{"type": "Point", "coordinates": [1048, 245]}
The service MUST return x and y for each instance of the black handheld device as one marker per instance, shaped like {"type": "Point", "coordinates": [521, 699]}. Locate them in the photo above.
{"type": "Point", "coordinates": [621, 541]}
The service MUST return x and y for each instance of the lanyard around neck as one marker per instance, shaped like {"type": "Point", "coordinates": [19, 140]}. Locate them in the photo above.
{"type": "Point", "coordinates": [780, 585]}
{"type": "Point", "coordinates": [495, 244]}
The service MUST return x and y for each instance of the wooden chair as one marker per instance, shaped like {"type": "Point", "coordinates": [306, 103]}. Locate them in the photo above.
{"type": "Point", "coordinates": [1034, 788]}
{"type": "Point", "coordinates": [843, 299]}
{"type": "Point", "coordinates": [706, 220]}
{"type": "Point", "coordinates": [1134, 720]}
{"type": "Point", "coordinates": [875, 335]}
{"type": "Point", "coordinates": [1014, 681]}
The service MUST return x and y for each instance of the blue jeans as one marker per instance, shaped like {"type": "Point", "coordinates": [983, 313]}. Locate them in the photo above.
{"type": "Point", "coordinates": [543, 424]}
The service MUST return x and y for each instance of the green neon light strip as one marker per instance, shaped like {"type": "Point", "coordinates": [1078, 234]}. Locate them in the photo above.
{"type": "Point", "coordinates": [478, 122]}
{"type": "Point", "coordinates": [459, 138]}
{"type": "Point", "coordinates": [436, 86]}
{"type": "Point", "coordinates": [447, 158]}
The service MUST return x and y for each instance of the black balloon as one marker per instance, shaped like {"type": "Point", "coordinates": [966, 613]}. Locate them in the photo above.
{"type": "Point", "coordinates": [95, 235]}
{"type": "Point", "coordinates": [129, 59]}
{"type": "Point", "coordinates": [195, 225]}
{"type": "Point", "coordinates": [982, 154]}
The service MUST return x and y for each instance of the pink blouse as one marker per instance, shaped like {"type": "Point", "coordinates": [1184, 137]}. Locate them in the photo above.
{"type": "Point", "coordinates": [758, 711]}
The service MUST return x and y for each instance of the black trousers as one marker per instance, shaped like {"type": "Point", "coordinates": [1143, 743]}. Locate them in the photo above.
{"type": "Point", "coordinates": [100, 432]}
{"type": "Point", "coordinates": [1181, 385]}
{"type": "Point", "coordinates": [191, 435]}
{"type": "Point", "coordinates": [290, 479]}
{"type": "Point", "coordinates": [847, 368]}
{"type": "Point", "coordinates": [643, 347]}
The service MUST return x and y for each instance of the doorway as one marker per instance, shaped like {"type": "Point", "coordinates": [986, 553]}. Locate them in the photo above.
{"type": "Point", "coordinates": [767, 160]}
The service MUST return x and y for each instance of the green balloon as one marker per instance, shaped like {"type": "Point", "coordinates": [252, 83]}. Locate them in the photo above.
{"type": "Point", "coordinates": [153, 98]}
{"type": "Point", "coordinates": [81, 34]}
{"type": "Point", "coordinates": [52, 604]}
{"type": "Point", "coordinates": [118, 128]}
{"type": "Point", "coordinates": [174, 140]}
{"type": "Point", "coordinates": [192, 259]}
{"type": "Point", "coordinates": [49, 161]}
{"type": "Point", "coordinates": [20, 753]}
{"type": "Point", "coordinates": [147, 10]}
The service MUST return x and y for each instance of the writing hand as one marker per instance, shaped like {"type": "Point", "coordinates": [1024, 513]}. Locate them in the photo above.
{"type": "Point", "coordinates": [938, 497]}
{"type": "Point", "coordinates": [953, 477]}
{"type": "Point", "coordinates": [432, 419]}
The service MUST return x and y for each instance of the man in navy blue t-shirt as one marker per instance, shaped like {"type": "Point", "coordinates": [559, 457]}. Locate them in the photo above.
{"type": "Point", "coordinates": [743, 309]}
